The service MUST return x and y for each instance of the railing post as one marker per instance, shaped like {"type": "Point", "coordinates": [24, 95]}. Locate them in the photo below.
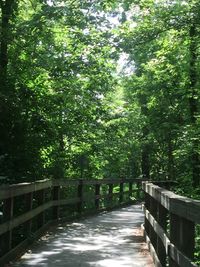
{"type": "Point", "coordinates": [147, 207]}
{"type": "Point", "coordinates": [153, 211]}
{"type": "Point", "coordinates": [138, 190]}
{"type": "Point", "coordinates": [29, 205]}
{"type": "Point", "coordinates": [6, 239]}
{"type": "Point", "coordinates": [41, 216]}
{"type": "Point", "coordinates": [130, 189]}
{"type": "Point", "coordinates": [121, 192]}
{"type": "Point", "coordinates": [80, 196]}
{"type": "Point", "coordinates": [162, 220]}
{"type": "Point", "coordinates": [56, 197]}
{"type": "Point", "coordinates": [182, 235]}
{"type": "Point", "coordinates": [97, 195]}
{"type": "Point", "coordinates": [110, 192]}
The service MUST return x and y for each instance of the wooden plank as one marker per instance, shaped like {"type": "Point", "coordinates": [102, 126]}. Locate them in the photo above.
{"type": "Point", "coordinates": [7, 226]}
{"type": "Point", "coordinates": [182, 235]}
{"type": "Point", "coordinates": [17, 251]}
{"type": "Point", "coordinates": [62, 202]}
{"type": "Point", "coordinates": [158, 229]}
{"type": "Point", "coordinates": [6, 239]}
{"type": "Point", "coordinates": [25, 188]}
{"type": "Point", "coordinates": [187, 208]}
{"type": "Point", "coordinates": [108, 181]}
{"type": "Point", "coordinates": [31, 214]}
{"type": "Point", "coordinates": [181, 206]}
{"type": "Point", "coordinates": [66, 182]}
{"type": "Point", "coordinates": [100, 181]}
{"type": "Point", "coordinates": [10, 191]}
{"type": "Point", "coordinates": [184, 212]}
{"type": "Point", "coordinates": [180, 258]}
{"type": "Point", "coordinates": [152, 252]}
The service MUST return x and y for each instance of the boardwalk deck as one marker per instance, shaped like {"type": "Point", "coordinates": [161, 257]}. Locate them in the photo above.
{"type": "Point", "coordinates": [109, 239]}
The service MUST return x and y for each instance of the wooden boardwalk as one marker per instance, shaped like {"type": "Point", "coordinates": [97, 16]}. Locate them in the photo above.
{"type": "Point", "coordinates": [109, 239]}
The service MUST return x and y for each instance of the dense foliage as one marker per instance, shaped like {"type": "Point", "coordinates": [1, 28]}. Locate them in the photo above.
{"type": "Point", "coordinates": [68, 110]}
{"type": "Point", "coordinates": [164, 46]}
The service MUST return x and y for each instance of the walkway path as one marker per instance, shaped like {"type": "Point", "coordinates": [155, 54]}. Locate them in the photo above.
{"type": "Point", "coordinates": [109, 239]}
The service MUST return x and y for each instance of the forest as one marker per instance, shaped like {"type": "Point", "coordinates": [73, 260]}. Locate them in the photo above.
{"type": "Point", "coordinates": [100, 89]}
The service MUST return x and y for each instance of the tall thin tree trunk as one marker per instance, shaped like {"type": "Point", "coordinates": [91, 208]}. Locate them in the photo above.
{"type": "Point", "coordinates": [145, 162]}
{"type": "Point", "coordinates": [193, 104]}
{"type": "Point", "coordinates": [145, 165]}
{"type": "Point", "coordinates": [170, 166]}
{"type": "Point", "coordinates": [7, 11]}
{"type": "Point", "coordinates": [61, 144]}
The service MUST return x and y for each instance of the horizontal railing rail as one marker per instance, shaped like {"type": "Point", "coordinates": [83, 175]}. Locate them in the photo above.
{"type": "Point", "coordinates": [28, 209]}
{"type": "Point", "coordinates": [169, 226]}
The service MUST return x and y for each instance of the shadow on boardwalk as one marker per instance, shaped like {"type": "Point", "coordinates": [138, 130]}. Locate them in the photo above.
{"type": "Point", "coordinates": [109, 239]}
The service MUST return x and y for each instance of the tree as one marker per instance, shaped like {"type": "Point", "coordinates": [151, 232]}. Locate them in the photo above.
{"type": "Point", "coordinates": [163, 32]}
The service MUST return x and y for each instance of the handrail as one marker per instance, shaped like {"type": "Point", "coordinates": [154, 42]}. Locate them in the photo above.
{"type": "Point", "coordinates": [169, 226]}
{"type": "Point", "coordinates": [45, 202]}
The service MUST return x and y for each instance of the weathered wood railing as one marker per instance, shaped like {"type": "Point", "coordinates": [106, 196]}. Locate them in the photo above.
{"type": "Point", "coordinates": [169, 226]}
{"type": "Point", "coordinates": [28, 209]}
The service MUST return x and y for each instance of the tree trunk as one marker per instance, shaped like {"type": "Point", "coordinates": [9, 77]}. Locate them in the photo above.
{"type": "Point", "coordinates": [170, 167]}
{"type": "Point", "coordinates": [145, 162]}
{"type": "Point", "coordinates": [145, 166]}
{"type": "Point", "coordinates": [7, 11]}
{"type": "Point", "coordinates": [193, 104]}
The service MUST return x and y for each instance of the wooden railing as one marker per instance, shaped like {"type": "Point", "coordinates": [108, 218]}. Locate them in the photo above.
{"type": "Point", "coordinates": [169, 226]}
{"type": "Point", "coordinates": [28, 209]}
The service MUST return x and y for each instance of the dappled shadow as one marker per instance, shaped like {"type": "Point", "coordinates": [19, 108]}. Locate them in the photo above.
{"type": "Point", "coordinates": [108, 239]}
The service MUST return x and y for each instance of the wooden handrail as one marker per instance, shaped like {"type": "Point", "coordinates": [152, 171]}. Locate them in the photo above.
{"type": "Point", "coordinates": [43, 202]}
{"type": "Point", "coordinates": [169, 226]}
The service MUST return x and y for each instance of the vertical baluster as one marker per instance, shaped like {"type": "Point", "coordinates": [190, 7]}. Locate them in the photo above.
{"type": "Point", "coordinates": [56, 197]}
{"type": "Point", "coordinates": [97, 195]}
{"type": "Point", "coordinates": [80, 196]}
{"type": "Point", "coordinates": [182, 235]}
{"type": "Point", "coordinates": [153, 211]}
{"type": "Point", "coordinates": [41, 217]}
{"type": "Point", "coordinates": [130, 189]}
{"type": "Point", "coordinates": [29, 206]}
{"type": "Point", "coordinates": [6, 238]}
{"type": "Point", "coordinates": [121, 192]}
{"type": "Point", "coordinates": [162, 220]}
{"type": "Point", "coordinates": [138, 190]}
{"type": "Point", "coordinates": [110, 194]}
{"type": "Point", "coordinates": [147, 207]}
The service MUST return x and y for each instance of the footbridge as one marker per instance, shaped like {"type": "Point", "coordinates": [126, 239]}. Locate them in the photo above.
{"type": "Point", "coordinates": [119, 222]}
